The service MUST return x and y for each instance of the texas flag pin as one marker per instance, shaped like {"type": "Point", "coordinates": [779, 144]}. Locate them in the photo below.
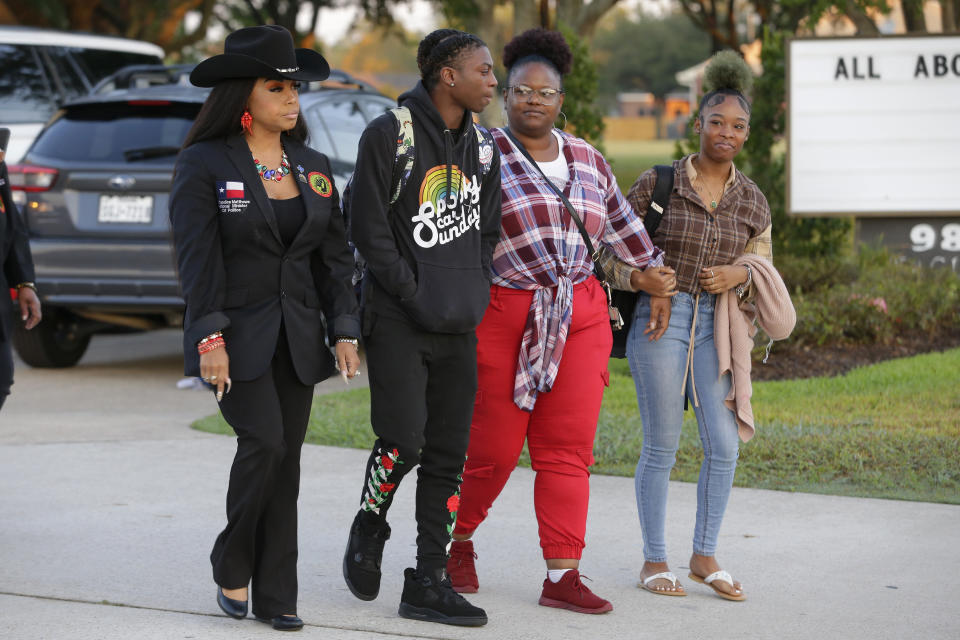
{"type": "Point", "coordinates": [230, 190]}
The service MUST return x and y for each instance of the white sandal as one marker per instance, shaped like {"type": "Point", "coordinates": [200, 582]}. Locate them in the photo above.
{"type": "Point", "coordinates": [666, 575]}
{"type": "Point", "coordinates": [722, 576]}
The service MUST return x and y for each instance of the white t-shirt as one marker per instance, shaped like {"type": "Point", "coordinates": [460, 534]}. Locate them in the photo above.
{"type": "Point", "coordinates": [557, 170]}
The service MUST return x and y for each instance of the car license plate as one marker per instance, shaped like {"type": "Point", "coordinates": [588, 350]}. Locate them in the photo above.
{"type": "Point", "coordinates": [126, 209]}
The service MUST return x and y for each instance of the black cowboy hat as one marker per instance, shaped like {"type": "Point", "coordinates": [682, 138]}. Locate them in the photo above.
{"type": "Point", "coordinates": [265, 51]}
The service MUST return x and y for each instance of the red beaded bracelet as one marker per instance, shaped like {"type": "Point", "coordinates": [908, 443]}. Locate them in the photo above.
{"type": "Point", "coordinates": [215, 334]}
{"type": "Point", "coordinates": [211, 344]}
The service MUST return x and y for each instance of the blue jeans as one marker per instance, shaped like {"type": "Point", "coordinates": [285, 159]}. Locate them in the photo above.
{"type": "Point", "coordinates": [658, 369]}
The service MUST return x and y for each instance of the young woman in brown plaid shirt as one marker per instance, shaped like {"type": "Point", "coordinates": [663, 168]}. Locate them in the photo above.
{"type": "Point", "coordinates": [716, 214]}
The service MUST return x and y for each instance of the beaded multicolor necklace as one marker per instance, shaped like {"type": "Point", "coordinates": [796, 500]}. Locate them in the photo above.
{"type": "Point", "coordinates": [273, 174]}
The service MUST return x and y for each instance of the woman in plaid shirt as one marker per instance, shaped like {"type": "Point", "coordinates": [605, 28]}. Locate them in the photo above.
{"type": "Point", "coordinates": [545, 340]}
{"type": "Point", "coordinates": [715, 215]}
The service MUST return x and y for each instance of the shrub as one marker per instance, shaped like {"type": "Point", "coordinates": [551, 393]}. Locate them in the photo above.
{"type": "Point", "coordinates": [874, 297]}
{"type": "Point", "coordinates": [812, 274]}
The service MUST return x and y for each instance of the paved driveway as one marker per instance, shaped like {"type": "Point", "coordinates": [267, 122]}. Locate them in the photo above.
{"type": "Point", "coordinates": [109, 504]}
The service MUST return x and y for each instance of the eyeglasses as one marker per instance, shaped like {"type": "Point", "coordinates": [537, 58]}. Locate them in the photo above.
{"type": "Point", "coordinates": [525, 93]}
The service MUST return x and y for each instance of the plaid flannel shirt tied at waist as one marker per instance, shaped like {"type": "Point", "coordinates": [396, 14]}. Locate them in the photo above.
{"type": "Point", "coordinates": [541, 249]}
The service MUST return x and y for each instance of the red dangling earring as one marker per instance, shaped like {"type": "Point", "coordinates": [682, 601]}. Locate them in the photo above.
{"type": "Point", "coordinates": [245, 121]}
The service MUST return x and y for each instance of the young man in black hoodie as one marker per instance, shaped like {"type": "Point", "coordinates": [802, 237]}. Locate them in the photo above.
{"type": "Point", "coordinates": [427, 285]}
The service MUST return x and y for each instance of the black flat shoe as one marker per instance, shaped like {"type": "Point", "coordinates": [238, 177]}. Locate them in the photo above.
{"type": "Point", "coordinates": [233, 608]}
{"type": "Point", "coordinates": [283, 623]}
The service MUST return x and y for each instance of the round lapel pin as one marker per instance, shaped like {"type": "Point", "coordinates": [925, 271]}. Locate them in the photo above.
{"type": "Point", "coordinates": [320, 184]}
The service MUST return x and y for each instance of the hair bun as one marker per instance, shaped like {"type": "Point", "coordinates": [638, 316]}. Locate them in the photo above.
{"type": "Point", "coordinates": [550, 45]}
{"type": "Point", "coordinates": [727, 70]}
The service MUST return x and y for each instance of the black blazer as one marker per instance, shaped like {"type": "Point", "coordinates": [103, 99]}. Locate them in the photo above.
{"type": "Point", "coordinates": [14, 252]}
{"type": "Point", "coordinates": [235, 272]}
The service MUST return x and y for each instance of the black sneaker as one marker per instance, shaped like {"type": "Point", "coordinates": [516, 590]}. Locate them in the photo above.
{"type": "Point", "coordinates": [361, 561]}
{"type": "Point", "coordinates": [431, 598]}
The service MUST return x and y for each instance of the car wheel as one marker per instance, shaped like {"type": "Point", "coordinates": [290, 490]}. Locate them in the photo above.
{"type": "Point", "coordinates": [57, 341]}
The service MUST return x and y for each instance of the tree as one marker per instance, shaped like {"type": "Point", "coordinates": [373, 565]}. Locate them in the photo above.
{"type": "Point", "coordinates": [949, 15]}
{"type": "Point", "coordinates": [913, 18]}
{"type": "Point", "coordinates": [377, 50]}
{"type": "Point", "coordinates": [580, 86]}
{"type": "Point", "coordinates": [157, 21]}
{"type": "Point", "coordinates": [234, 14]}
{"type": "Point", "coordinates": [477, 16]}
{"type": "Point", "coordinates": [645, 54]}
{"type": "Point", "coordinates": [162, 21]}
{"type": "Point", "coordinates": [724, 20]}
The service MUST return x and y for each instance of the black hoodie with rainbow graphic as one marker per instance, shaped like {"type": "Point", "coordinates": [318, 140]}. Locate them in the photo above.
{"type": "Point", "coordinates": [428, 255]}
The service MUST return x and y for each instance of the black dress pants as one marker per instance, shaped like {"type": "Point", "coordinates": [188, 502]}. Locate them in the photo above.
{"type": "Point", "coordinates": [269, 416]}
{"type": "Point", "coordinates": [422, 389]}
{"type": "Point", "coordinates": [6, 370]}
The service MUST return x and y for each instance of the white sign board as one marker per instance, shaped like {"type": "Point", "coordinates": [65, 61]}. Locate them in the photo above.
{"type": "Point", "coordinates": [874, 126]}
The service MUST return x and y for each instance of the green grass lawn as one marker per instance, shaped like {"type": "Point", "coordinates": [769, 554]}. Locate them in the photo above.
{"type": "Point", "coordinates": [890, 430]}
{"type": "Point", "coordinates": [631, 158]}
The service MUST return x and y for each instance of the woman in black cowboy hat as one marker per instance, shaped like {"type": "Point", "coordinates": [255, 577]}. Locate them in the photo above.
{"type": "Point", "coordinates": [265, 272]}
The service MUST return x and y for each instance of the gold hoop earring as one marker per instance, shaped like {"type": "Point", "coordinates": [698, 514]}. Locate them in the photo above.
{"type": "Point", "coordinates": [564, 126]}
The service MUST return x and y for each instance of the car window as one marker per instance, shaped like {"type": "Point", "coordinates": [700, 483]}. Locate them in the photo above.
{"type": "Point", "coordinates": [343, 121]}
{"type": "Point", "coordinates": [25, 95]}
{"type": "Point", "coordinates": [377, 106]}
{"type": "Point", "coordinates": [98, 64]}
{"type": "Point", "coordinates": [67, 81]}
{"type": "Point", "coordinates": [118, 132]}
{"type": "Point", "coordinates": [319, 139]}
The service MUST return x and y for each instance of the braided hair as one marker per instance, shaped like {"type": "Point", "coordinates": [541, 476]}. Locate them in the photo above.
{"type": "Point", "coordinates": [443, 48]}
{"type": "Point", "coordinates": [727, 74]}
{"type": "Point", "coordinates": [538, 45]}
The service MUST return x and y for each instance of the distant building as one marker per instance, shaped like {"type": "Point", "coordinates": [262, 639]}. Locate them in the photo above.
{"type": "Point", "coordinates": [641, 116]}
{"type": "Point", "coordinates": [636, 103]}
{"type": "Point", "coordinates": [676, 104]}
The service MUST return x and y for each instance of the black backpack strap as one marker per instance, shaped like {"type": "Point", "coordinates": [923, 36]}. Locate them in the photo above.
{"type": "Point", "coordinates": [626, 301]}
{"type": "Point", "coordinates": [660, 200]}
{"type": "Point", "coordinates": [486, 150]}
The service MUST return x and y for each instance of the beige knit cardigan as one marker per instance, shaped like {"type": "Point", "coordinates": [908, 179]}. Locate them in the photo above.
{"type": "Point", "coordinates": [735, 325]}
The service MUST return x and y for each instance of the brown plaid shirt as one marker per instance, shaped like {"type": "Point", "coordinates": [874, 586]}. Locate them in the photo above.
{"type": "Point", "coordinates": [692, 237]}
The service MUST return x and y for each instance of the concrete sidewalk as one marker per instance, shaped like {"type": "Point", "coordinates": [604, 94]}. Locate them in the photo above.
{"type": "Point", "coordinates": [105, 530]}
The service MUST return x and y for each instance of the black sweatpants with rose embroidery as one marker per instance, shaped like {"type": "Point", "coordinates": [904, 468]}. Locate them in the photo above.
{"type": "Point", "coordinates": [422, 389]}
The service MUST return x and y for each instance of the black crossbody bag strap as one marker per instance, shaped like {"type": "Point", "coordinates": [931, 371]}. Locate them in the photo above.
{"type": "Point", "coordinates": [594, 255]}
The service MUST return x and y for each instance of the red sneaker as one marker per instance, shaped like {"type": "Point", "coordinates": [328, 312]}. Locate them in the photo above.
{"type": "Point", "coordinates": [572, 594]}
{"type": "Point", "coordinates": [460, 567]}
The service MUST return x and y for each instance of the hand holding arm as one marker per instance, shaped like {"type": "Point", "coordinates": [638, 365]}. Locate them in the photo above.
{"type": "Point", "coordinates": [657, 281]}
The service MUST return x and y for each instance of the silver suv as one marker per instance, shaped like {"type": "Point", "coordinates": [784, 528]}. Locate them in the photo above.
{"type": "Point", "coordinates": [93, 189]}
{"type": "Point", "coordinates": [40, 69]}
